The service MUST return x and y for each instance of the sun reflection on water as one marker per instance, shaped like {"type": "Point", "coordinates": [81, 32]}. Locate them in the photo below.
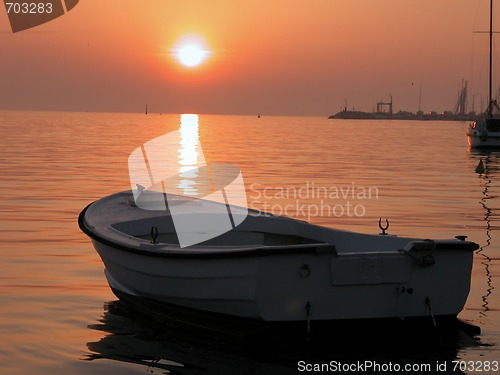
{"type": "Point", "coordinates": [190, 154]}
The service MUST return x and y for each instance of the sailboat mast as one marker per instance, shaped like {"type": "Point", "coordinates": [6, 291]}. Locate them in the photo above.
{"type": "Point", "coordinates": [490, 97]}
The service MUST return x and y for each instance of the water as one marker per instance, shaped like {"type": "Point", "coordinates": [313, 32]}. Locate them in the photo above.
{"type": "Point", "coordinates": [57, 314]}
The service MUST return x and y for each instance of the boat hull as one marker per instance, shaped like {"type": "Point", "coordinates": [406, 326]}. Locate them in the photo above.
{"type": "Point", "coordinates": [297, 287]}
{"type": "Point", "coordinates": [484, 141]}
{"type": "Point", "coordinates": [484, 133]}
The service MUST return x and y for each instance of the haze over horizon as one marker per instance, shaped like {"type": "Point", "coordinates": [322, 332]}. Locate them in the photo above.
{"type": "Point", "coordinates": [277, 58]}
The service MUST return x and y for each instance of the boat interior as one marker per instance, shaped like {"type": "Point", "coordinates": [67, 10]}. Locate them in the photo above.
{"type": "Point", "coordinates": [165, 234]}
{"type": "Point", "coordinates": [238, 238]}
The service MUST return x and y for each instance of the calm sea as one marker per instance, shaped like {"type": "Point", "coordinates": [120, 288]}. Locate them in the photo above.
{"type": "Point", "coordinates": [57, 314]}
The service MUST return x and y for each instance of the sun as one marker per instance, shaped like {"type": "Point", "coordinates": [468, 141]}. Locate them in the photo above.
{"type": "Point", "coordinates": [191, 52]}
{"type": "Point", "coordinates": [191, 55]}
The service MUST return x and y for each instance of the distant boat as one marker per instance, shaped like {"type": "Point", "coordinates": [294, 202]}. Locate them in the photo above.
{"type": "Point", "coordinates": [485, 133]}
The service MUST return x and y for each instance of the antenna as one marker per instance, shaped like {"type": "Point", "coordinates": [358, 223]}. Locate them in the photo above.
{"type": "Point", "coordinates": [491, 102]}
{"type": "Point", "coordinates": [490, 98]}
{"type": "Point", "coordinates": [420, 98]}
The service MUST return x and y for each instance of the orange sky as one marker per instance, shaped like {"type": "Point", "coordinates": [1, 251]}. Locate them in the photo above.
{"type": "Point", "coordinates": [273, 57]}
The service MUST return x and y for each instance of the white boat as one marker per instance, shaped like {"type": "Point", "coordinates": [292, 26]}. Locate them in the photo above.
{"type": "Point", "coordinates": [276, 269]}
{"type": "Point", "coordinates": [485, 132]}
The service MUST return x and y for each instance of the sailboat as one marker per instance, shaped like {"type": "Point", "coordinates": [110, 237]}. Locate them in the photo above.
{"type": "Point", "coordinates": [485, 133]}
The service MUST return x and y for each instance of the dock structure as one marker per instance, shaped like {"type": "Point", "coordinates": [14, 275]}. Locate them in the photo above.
{"type": "Point", "coordinates": [382, 106]}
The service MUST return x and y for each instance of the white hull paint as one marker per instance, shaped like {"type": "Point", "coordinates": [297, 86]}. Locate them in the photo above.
{"type": "Point", "coordinates": [484, 142]}
{"type": "Point", "coordinates": [481, 134]}
{"type": "Point", "coordinates": [336, 275]}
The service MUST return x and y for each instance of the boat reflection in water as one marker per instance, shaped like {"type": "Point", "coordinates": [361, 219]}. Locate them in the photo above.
{"type": "Point", "coordinates": [488, 170]}
{"type": "Point", "coordinates": [132, 337]}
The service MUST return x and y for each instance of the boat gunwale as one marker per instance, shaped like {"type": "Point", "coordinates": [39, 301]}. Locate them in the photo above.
{"type": "Point", "coordinates": [158, 250]}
